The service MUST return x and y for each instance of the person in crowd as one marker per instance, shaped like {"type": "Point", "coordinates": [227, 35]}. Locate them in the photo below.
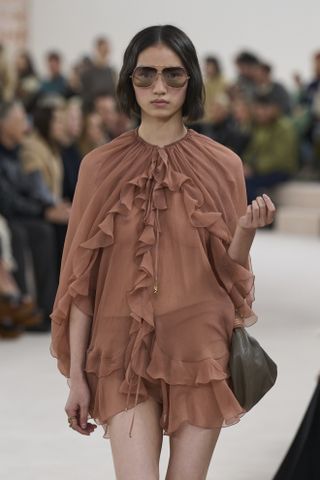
{"type": "Point", "coordinates": [17, 310]}
{"type": "Point", "coordinates": [27, 82]}
{"type": "Point", "coordinates": [69, 146]}
{"type": "Point", "coordinates": [92, 134]}
{"type": "Point", "coordinates": [214, 84]}
{"type": "Point", "coordinates": [100, 76]}
{"type": "Point", "coordinates": [265, 83]}
{"type": "Point", "coordinates": [247, 64]}
{"type": "Point", "coordinates": [6, 78]}
{"type": "Point", "coordinates": [105, 105]}
{"type": "Point", "coordinates": [56, 82]}
{"type": "Point", "coordinates": [31, 212]}
{"type": "Point", "coordinates": [41, 153]}
{"type": "Point", "coordinates": [40, 149]}
{"type": "Point", "coordinates": [222, 126]}
{"type": "Point", "coordinates": [271, 156]}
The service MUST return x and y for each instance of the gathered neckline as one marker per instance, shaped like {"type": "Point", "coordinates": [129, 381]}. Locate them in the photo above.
{"type": "Point", "coordinates": [141, 140]}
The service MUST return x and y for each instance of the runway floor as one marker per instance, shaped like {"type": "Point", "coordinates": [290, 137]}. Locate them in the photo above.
{"type": "Point", "coordinates": [36, 444]}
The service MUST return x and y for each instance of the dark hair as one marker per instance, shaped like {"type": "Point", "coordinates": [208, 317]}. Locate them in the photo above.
{"type": "Point", "coordinates": [266, 67]}
{"type": "Point", "coordinates": [214, 61]}
{"type": "Point", "coordinates": [179, 42]}
{"type": "Point", "coordinates": [42, 119]}
{"type": "Point", "coordinates": [266, 98]}
{"type": "Point", "coordinates": [247, 58]}
{"type": "Point", "coordinates": [53, 55]}
{"type": "Point", "coordinates": [29, 70]}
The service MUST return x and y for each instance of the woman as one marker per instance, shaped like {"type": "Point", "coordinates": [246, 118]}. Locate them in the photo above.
{"type": "Point", "coordinates": [155, 271]}
{"type": "Point", "coordinates": [27, 83]}
{"type": "Point", "coordinates": [92, 135]}
{"type": "Point", "coordinates": [40, 151]}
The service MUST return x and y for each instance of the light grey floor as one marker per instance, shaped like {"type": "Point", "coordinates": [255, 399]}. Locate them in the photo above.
{"type": "Point", "coordinates": [35, 443]}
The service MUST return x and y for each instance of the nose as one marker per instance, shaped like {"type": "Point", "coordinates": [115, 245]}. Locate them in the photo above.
{"type": "Point", "coordinates": [159, 85]}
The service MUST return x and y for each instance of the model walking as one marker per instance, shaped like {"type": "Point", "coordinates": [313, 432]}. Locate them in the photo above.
{"type": "Point", "coordinates": [155, 269]}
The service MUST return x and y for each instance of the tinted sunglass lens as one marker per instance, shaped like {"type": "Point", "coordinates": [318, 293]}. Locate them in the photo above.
{"type": "Point", "coordinates": [144, 76]}
{"type": "Point", "coordinates": [175, 77]}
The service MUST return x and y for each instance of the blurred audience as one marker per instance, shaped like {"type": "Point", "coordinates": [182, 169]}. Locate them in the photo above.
{"type": "Point", "coordinates": [214, 82]}
{"type": "Point", "coordinates": [31, 211]}
{"type": "Point", "coordinates": [98, 76]}
{"type": "Point", "coordinates": [271, 156]}
{"type": "Point", "coordinates": [69, 146]}
{"type": "Point", "coordinates": [56, 82]}
{"type": "Point", "coordinates": [92, 134]}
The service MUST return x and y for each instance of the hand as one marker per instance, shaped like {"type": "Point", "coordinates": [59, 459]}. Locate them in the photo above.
{"type": "Point", "coordinates": [77, 405]}
{"type": "Point", "coordinates": [59, 213]}
{"type": "Point", "coordinates": [259, 214]}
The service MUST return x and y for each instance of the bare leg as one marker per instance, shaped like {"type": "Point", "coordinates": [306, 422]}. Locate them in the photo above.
{"type": "Point", "coordinates": [191, 449]}
{"type": "Point", "coordinates": [137, 458]}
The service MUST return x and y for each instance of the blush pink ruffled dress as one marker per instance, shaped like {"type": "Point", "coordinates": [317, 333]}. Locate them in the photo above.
{"type": "Point", "coordinates": [146, 256]}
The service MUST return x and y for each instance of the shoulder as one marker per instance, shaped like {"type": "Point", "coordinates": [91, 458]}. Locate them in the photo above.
{"type": "Point", "coordinates": [217, 154]}
{"type": "Point", "coordinates": [93, 161]}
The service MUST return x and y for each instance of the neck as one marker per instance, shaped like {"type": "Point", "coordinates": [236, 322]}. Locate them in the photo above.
{"type": "Point", "coordinates": [161, 131]}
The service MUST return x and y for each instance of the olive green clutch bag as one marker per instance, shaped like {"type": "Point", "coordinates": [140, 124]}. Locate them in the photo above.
{"type": "Point", "coordinates": [253, 372]}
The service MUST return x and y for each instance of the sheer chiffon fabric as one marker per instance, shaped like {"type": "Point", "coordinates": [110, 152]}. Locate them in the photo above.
{"type": "Point", "coordinates": [146, 256]}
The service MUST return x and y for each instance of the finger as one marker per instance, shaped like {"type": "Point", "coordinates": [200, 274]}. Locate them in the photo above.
{"type": "Point", "coordinates": [255, 212]}
{"type": "Point", "coordinates": [83, 416]}
{"type": "Point", "coordinates": [262, 211]}
{"type": "Point", "coordinates": [271, 209]}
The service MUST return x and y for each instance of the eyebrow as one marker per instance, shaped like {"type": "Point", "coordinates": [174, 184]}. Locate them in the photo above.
{"type": "Point", "coordinates": [165, 66]}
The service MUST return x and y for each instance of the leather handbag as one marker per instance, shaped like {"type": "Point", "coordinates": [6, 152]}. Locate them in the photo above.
{"type": "Point", "coordinates": [253, 372]}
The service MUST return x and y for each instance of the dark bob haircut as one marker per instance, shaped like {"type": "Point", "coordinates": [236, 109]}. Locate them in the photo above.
{"type": "Point", "coordinates": [180, 43]}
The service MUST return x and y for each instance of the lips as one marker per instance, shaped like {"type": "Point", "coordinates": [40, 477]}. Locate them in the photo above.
{"type": "Point", "coordinates": [159, 102]}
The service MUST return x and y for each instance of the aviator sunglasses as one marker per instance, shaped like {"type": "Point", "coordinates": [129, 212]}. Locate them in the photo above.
{"type": "Point", "coordinates": [144, 76]}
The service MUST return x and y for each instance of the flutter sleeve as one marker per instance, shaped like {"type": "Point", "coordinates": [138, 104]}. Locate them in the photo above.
{"type": "Point", "coordinates": [78, 270]}
{"type": "Point", "coordinates": [237, 279]}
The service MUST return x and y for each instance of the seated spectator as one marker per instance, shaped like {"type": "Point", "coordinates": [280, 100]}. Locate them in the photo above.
{"type": "Point", "coordinates": [98, 76]}
{"type": "Point", "coordinates": [16, 310]}
{"type": "Point", "coordinates": [69, 147]}
{"type": "Point", "coordinates": [271, 156]}
{"type": "Point", "coordinates": [246, 64]}
{"type": "Point", "coordinates": [214, 84]}
{"type": "Point", "coordinates": [106, 106]}
{"type": "Point", "coordinates": [40, 150]}
{"type": "Point", "coordinates": [31, 212]}
{"type": "Point", "coordinates": [27, 82]}
{"type": "Point", "coordinates": [222, 126]}
{"type": "Point", "coordinates": [266, 84]}
{"type": "Point", "coordinates": [92, 135]}
{"type": "Point", "coordinates": [56, 83]}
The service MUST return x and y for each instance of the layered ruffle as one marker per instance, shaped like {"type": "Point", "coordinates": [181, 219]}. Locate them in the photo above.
{"type": "Point", "coordinates": [184, 384]}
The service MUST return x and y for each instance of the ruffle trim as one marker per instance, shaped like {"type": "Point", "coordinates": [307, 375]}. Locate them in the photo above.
{"type": "Point", "coordinates": [136, 360]}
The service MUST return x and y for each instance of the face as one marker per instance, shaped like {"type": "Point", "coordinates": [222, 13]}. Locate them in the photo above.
{"type": "Point", "coordinates": [94, 129]}
{"type": "Point", "coordinates": [107, 109]}
{"type": "Point", "coordinates": [57, 130]}
{"type": "Point", "coordinates": [15, 125]}
{"type": "Point", "coordinates": [265, 114]}
{"type": "Point", "coordinates": [73, 120]}
{"type": "Point", "coordinates": [159, 100]}
{"type": "Point", "coordinates": [54, 66]}
{"type": "Point", "coordinates": [210, 69]}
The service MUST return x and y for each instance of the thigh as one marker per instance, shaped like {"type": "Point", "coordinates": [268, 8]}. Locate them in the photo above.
{"type": "Point", "coordinates": [191, 450]}
{"type": "Point", "coordinates": [137, 457]}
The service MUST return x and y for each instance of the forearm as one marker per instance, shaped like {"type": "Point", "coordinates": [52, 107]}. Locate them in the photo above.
{"type": "Point", "coordinates": [79, 329]}
{"type": "Point", "coordinates": [241, 243]}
